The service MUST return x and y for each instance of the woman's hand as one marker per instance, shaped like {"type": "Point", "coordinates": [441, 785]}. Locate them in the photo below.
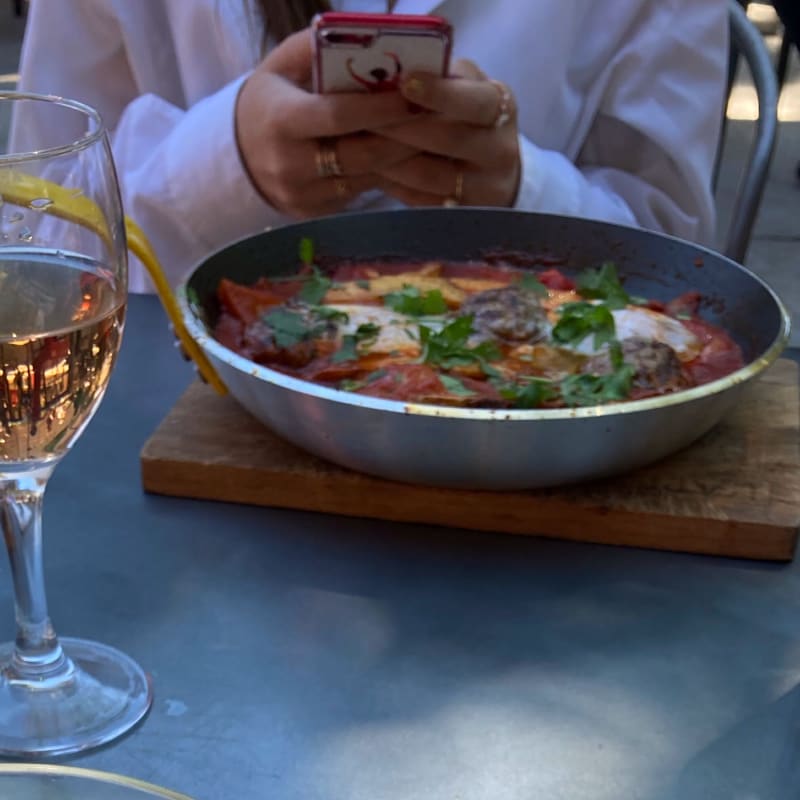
{"type": "Point", "coordinates": [309, 154]}
{"type": "Point", "coordinates": [469, 148]}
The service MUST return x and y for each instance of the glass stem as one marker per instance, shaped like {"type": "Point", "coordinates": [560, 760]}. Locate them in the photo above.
{"type": "Point", "coordinates": [37, 655]}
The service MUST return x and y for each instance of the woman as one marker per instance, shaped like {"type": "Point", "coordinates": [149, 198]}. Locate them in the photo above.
{"type": "Point", "coordinates": [602, 110]}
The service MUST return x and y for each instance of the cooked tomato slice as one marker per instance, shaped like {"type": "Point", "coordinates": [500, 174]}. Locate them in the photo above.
{"type": "Point", "coordinates": [327, 371]}
{"type": "Point", "coordinates": [719, 357]}
{"type": "Point", "coordinates": [555, 279]}
{"type": "Point", "coordinates": [245, 302]}
{"type": "Point", "coordinates": [420, 383]}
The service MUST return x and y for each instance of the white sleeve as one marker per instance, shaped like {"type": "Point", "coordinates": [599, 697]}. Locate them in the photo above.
{"type": "Point", "coordinates": [180, 173]}
{"type": "Point", "coordinates": [183, 180]}
{"type": "Point", "coordinates": [647, 155]}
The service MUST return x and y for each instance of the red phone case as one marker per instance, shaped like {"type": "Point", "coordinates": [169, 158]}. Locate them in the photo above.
{"type": "Point", "coordinates": [372, 52]}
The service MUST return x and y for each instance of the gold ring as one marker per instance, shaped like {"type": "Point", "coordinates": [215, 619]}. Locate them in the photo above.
{"type": "Point", "coordinates": [326, 159]}
{"type": "Point", "coordinates": [341, 187]}
{"type": "Point", "coordinates": [505, 109]}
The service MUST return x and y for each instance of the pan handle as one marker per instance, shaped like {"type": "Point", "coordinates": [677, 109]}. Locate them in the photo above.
{"type": "Point", "coordinates": [21, 189]}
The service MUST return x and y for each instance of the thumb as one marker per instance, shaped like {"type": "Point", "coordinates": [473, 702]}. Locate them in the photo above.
{"type": "Point", "coordinates": [293, 58]}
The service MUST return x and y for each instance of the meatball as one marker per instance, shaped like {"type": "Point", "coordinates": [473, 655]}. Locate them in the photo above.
{"type": "Point", "coordinates": [512, 314]}
{"type": "Point", "coordinates": [658, 368]}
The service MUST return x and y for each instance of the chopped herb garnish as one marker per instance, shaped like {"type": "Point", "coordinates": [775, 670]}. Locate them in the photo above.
{"type": "Point", "coordinates": [350, 385]}
{"type": "Point", "coordinates": [592, 390]}
{"type": "Point", "coordinates": [306, 251]}
{"type": "Point", "coordinates": [603, 284]}
{"type": "Point", "coordinates": [574, 390]}
{"type": "Point", "coordinates": [376, 375]}
{"type": "Point", "coordinates": [365, 335]}
{"type": "Point", "coordinates": [455, 386]}
{"type": "Point", "coordinates": [530, 393]}
{"type": "Point", "coordinates": [409, 300]}
{"type": "Point", "coordinates": [615, 354]}
{"type": "Point", "coordinates": [347, 351]}
{"type": "Point", "coordinates": [448, 348]}
{"type": "Point", "coordinates": [579, 320]}
{"type": "Point", "coordinates": [288, 327]}
{"type": "Point", "coordinates": [531, 283]}
{"type": "Point", "coordinates": [330, 314]}
{"type": "Point", "coordinates": [315, 286]}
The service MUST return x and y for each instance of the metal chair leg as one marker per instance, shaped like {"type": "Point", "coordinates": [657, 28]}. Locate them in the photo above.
{"type": "Point", "coordinates": [783, 58]}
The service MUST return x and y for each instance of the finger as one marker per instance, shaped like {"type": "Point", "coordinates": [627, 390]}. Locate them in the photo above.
{"type": "Point", "coordinates": [342, 190]}
{"type": "Point", "coordinates": [309, 115]}
{"type": "Point", "coordinates": [477, 102]}
{"type": "Point", "coordinates": [293, 59]}
{"type": "Point", "coordinates": [463, 68]}
{"type": "Point", "coordinates": [460, 141]}
{"type": "Point", "coordinates": [361, 154]}
{"type": "Point", "coordinates": [428, 175]}
{"type": "Point", "coordinates": [325, 196]}
{"type": "Point", "coordinates": [357, 154]}
{"type": "Point", "coordinates": [334, 194]}
{"type": "Point", "coordinates": [409, 196]}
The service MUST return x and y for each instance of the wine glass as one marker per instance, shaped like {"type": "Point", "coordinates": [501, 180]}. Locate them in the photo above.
{"type": "Point", "coordinates": [63, 290]}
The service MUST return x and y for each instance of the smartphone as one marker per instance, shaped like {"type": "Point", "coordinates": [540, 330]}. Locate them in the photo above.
{"type": "Point", "coordinates": [373, 52]}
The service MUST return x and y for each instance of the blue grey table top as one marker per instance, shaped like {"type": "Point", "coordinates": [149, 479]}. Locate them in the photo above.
{"type": "Point", "coordinates": [297, 655]}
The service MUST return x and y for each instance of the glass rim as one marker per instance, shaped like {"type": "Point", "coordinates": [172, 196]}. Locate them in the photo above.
{"type": "Point", "coordinates": [62, 149]}
{"type": "Point", "coordinates": [97, 776]}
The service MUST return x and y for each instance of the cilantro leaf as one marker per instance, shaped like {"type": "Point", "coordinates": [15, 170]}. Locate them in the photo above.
{"type": "Point", "coordinates": [448, 348]}
{"type": "Point", "coordinates": [591, 390]}
{"type": "Point", "coordinates": [365, 335]}
{"type": "Point", "coordinates": [347, 351]}
{"type": "Point", "coordinates": [314, 287]}
{"type": "Point", "coordinates": [531, 283]}
{"type": "Point", "coordinates": [455, 386]}
{"type": "Point", "coordinates": [376, 375]}
{"type": "Point", "coordinates": [329, 313]}
{"type": "Point", "coordinates": [306, 251]}
{"type": "Point", "coordinates": [579, 320]}
{"type": "Point", "coordinates": [603, 284]}
{"type": "Point", "coordinates": [409, 300]}
{"type": "Point", "coordinates": [288, 327]}
{"type": "Point", "coordinates": [615, 354]}
{"type": "Point", "coordinates": [350, 385]}
{"type": "Point", "coordinates": [529, 393]}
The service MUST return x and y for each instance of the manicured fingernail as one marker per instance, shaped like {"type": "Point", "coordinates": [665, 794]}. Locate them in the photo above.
{"type": "Point", "coordinates": [414, 88]}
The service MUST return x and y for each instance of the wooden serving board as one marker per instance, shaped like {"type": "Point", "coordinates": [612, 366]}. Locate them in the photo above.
{"type": "Point", "coordinates": [736, 492]}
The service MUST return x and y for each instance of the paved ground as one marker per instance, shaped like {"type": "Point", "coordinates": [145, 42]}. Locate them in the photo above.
{"type": "Point", "coordinates": [775, 248]}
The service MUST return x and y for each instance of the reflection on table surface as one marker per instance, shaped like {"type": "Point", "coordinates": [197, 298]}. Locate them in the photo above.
{"type": "Point", "coordinates": [301, 655]}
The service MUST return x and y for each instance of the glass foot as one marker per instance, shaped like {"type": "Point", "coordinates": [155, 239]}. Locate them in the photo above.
{"type": "Point", "coordinates": [104, 696]}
